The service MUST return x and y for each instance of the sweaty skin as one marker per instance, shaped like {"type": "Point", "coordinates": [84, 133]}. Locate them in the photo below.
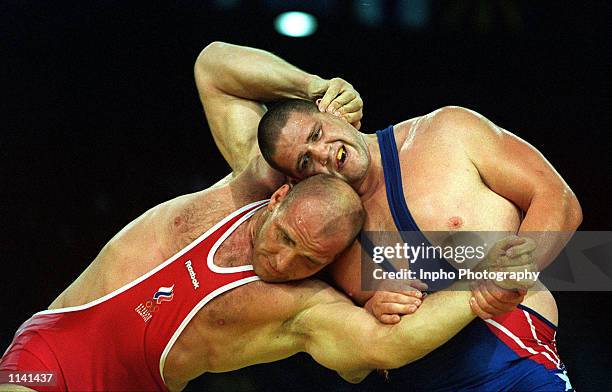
{"type": "Point", "coordinates": [441, 184]}
{"type": "Point", "coordinates": [460, 171]}
{"type": "Point", "coordinates": [261, 322]}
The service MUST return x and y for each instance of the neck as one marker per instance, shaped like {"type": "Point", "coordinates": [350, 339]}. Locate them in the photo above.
{"type": "Point", "coordinates": [374, 176]}
{"type": "Point", "coordinates": [237, 249]}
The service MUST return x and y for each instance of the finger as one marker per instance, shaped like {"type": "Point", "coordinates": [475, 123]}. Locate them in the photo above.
{"type": "Point", "coordinates": [482, 303]}
{"type": "Point", "coordinates": [505, 243]}
{"type": "Point", "coordinates": [510, 241]}
{"type": "Point", "coordinates": [354, 105]}
{"type": "Point", "coordinates": [353, 117]}
{"type": "Point", "coordinates": [403, 297]}
{"type": "Point", "coordinates": [499, 248]}
{"type": "Point", "coordinates": [505, 261]}
{"type": "Point", "coordinates": [478, 311]}
{"type": "Point", "coordinates": [411, 294]}
{"type": "Point", "coordinates": [357, 125]}
{"type": "Point", "coordinates": [499, 306]}
{"type": "Point", "coordinates": [343, 99]}
{"type": "Point", "coordinates": [527, 247]}
{"type": "Point", "coordinates": [406, 301]}
{"type": "Point", "coordinates": [529, 267]}
{"type": "Point", "coordinates": [394, 308]}
{"type": "Point", "coordinates": [389, 319]}
{"type": "Point", "coordinates": [330, 94]}
{"type": "Point", "coordinates": [520, 260]}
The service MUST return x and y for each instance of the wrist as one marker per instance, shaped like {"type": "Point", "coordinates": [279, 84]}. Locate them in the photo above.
{"type": "Point", "coordinates": [315, 87]}
{"type": "Point", "coordinates": [461, 285]}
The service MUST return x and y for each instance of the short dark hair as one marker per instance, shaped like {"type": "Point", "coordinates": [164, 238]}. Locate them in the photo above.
{"type": "Point", "coordinates": [274, 120]}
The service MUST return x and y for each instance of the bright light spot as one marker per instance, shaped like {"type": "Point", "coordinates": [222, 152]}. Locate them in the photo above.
{"type": "Point", "coordinates": [295, 24]}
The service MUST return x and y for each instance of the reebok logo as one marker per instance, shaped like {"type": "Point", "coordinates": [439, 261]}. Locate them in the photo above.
{"type": "Point", "coordinates": [192, 274]}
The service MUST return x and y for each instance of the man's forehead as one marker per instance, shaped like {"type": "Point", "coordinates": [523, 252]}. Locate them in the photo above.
{"type": "Point", "coordinates": [293, 137]}
{"type": "Point", "coordinates": [298, 123]}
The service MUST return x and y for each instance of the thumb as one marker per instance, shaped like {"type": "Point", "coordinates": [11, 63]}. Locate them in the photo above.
{"type": "Point", "coordinates": [317, 87]}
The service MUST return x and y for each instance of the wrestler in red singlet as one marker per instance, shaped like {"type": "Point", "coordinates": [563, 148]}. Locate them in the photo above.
{"type": "Point", "coordinates": [120, 341]}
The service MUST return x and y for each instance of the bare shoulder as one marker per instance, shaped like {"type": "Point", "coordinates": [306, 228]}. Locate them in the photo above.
{"type": "Point", "coordinates": [259, 177]}
{"type": "Point", "coordinates": [461, 122]}
{"type": "Point", "coordinates": [183, 219]}
{"type": "Point", "coordinates": [450, 126]}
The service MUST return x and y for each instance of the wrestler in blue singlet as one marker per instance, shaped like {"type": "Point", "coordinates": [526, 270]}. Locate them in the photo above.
{"type": "Point", "coordinates": [514, 352]}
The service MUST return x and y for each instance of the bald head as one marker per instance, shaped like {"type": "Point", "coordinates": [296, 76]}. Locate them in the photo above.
{"type": "Point", "coordinates": [329, 201]}
{"type": "Point", "coordinates": [305, 228]}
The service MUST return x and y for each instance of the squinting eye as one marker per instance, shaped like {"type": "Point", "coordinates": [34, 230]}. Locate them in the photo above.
{"type": "Point", "coordinates": [305, 161]}
{"type": "Point", "coordinates": [317, 135]}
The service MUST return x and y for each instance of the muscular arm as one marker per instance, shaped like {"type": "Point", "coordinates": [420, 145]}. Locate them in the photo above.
{"type": "Point", "coordinates": [349, 340]}
{"type": "Point", "coordinates": [232, 82]}
{"type": "Point", "coordinates": [516, 170]}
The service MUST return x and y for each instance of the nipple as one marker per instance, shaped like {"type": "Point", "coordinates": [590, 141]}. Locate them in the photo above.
{"type": "Point", "coordinates": [455, 222]}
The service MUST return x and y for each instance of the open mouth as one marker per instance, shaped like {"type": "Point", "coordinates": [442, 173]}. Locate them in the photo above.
{"type": "Point", "coordinates": [341, 156]}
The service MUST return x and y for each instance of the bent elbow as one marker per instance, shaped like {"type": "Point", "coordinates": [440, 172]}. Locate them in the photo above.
{"type": "Point", "coordinates": [576, 213]}
{"type": "Point", "coordinates": [396, 361]}
{"type": "Point", "coordinates": [354, 377]}
{"type": "Point", "coordinates": [208, 55]}
{"type": "Point", "coordinates": [396, 355]}
{"type": "Point", "coordinates": [573, 210]}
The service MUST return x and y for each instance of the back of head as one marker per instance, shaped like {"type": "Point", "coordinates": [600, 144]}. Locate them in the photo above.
{"type": "Point", "coordinates": [274, 120]}
{"type": "Point", "coordinates": [329, 201]}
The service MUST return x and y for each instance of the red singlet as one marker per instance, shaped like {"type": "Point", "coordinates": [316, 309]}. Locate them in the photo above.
{"type": "Point", "coordinates": [121, 341]}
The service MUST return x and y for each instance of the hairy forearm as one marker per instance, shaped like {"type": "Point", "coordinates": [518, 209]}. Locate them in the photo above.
{"type": "Point", "coordinates": [351, 341]}
{"type": "Point", "coordinates": [438, 319]}
{"type": "Point", "coordinates": [251, 73]}
{"type": "Point", "coordinates": [551, 220]}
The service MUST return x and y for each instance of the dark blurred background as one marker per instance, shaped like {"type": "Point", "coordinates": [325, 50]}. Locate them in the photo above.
{"type": "Point", "coordinates": [101, 121]}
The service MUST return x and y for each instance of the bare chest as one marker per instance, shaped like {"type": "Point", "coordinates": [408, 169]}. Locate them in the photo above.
{"type": "Point", "coordinates": [443, 192]}
{"type": "Point", "coordinates": [234, 330]}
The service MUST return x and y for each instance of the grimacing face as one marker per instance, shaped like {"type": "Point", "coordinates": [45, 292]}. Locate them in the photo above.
{"type": "Point", "coordinates": [289, 246]}
{"type": "Point", "coordinates": [312, 143]}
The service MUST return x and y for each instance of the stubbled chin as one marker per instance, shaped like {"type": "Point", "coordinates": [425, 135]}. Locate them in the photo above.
{"type": "Point", "coordinates": [259, 272]}
{"type": "Point", "coordinates": [272, 279]}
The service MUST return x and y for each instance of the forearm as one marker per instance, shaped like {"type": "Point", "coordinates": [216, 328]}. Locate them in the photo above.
{"type": "Point", "coordinates": [351, 341]}
{"type": "Point", "coordinates": [440, 317]}
{"type": "Point", "coordinates": [252, 73]}
{"type": "Point", "coordinates": [551, 220]}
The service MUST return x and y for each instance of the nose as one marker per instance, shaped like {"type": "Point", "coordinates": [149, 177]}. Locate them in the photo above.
{"type": "Point", "coordinates": [283, 262]}
{"type": "Point", "coordinates": [320, 157]}
{"type": "Point", "coordinates": [287, 262]}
